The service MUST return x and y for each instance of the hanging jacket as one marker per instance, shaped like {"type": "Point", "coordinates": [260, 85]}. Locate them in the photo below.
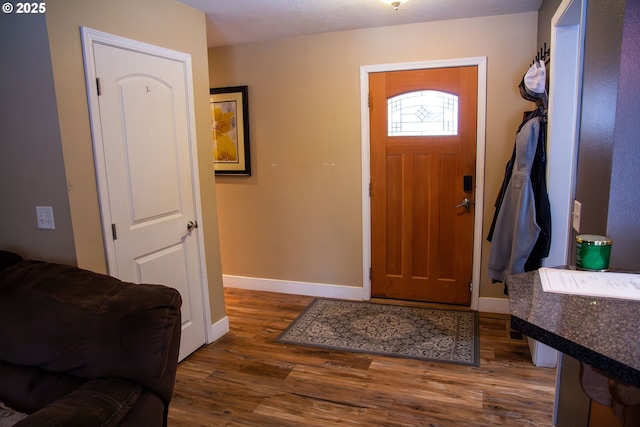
{"type": "Point", "coordinates": [543, 207]}
{"type": "Point", "coordinates": [516, 230]}
{"type": "Point", "coordinates": [539, 186]}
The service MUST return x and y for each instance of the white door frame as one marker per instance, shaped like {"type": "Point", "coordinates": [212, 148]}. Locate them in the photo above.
{"type": "Point", "coordinates": [565, 93]}
{"type": "Point", "coordinates": [89, 38]}
{"type": "Point", "coordinates": [568, 27]}
{"type": "Point", "coordinates": [481, 63]}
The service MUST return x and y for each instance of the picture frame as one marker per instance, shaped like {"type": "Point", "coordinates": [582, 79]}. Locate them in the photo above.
{"type": "Point", "coordinates": [229, 110]}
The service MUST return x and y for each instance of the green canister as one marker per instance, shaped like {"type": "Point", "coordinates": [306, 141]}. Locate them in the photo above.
{"type": "Point", "coordinates": [593, 252]}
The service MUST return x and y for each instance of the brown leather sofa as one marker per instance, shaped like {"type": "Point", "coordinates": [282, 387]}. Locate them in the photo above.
{"type": "Point", "coordinates": [83, 349]}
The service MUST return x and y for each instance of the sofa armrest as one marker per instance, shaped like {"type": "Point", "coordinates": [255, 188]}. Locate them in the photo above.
{"type": "Point", "coordinates": [102, 402]}
{"type": "Point", "coordinates": [89, 325]}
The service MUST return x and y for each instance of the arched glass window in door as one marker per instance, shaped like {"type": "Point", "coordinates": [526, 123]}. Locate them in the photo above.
{"type": "Point", "coordinates": [423, 113]}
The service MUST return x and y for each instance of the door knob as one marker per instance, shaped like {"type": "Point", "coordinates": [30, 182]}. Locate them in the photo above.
{"type": "Point", "coordinates": [466, 203]}
{"type": "Point", "coordinates": [191, 225]}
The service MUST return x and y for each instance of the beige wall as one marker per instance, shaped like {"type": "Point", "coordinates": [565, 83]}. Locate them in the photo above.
{"type": "Point", "coordinates": [298, 217]}
{"type": "Point", "coordinates": [164, 23]}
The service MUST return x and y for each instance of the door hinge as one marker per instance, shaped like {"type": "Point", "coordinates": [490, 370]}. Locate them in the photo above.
{"type": "Point", "coordinates": [369, 189]}
{"type": "Point", "coordinates": [114, 233]}
{"type": "Point", "coordinates": [369, 100]}
{"type": "Point", "coordinates": [470, 287]}
{"type": "Point", "coordinates": [99, 86]}
{"type": "Point", "coordinates": [370, 273]}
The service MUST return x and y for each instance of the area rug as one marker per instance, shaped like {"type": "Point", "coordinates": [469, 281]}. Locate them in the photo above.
{"type": "Point", "coordinates": [438, 335]}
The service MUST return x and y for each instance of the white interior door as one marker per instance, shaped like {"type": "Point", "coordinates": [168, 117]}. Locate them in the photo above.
{"type": "Point", "coordinates": [146, 178]}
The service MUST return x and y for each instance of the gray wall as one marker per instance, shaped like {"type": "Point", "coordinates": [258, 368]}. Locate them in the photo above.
{"type": "Point", "coordinates": [603, 41]}
{"type": "Point", "coordinates": [546, 12]}
{"type": "Point", "coordinates": [31, 163]}
{"type": "Point", "coordinates": [623, 222]}
{"type": "Point", "coordinates": [608, 152]}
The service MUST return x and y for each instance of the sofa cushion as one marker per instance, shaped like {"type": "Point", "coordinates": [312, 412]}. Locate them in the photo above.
{"type": "Point", "coordinates": [98, 403]}
{"type": "Point", "coordinates": [28, 389]}
{"type": "Point", "coordinates": [149, 411]}
{"type": "Point", "coordinates": [65, 319]}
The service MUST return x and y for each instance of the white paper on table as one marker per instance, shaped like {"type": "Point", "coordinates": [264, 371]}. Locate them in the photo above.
{"type": "Point", "coordinates": [591, 283]}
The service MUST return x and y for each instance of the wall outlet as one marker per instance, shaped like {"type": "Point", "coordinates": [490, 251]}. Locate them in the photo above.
{"type": "Point", "coordinates": [577, 212]}
{"type": "Point", "coordinates": [45, 217]}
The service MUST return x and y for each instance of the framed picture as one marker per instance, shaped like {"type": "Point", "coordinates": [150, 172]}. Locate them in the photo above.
{"type": "Point", "coordinates": [229, 107]}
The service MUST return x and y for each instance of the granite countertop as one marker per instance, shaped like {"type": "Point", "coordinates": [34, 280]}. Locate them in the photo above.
{"type": "Point", "coordinates": [602, 332]}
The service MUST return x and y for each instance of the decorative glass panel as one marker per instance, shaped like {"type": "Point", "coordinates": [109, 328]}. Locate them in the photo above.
{"type": "Point", "coordinates": [423, 113]}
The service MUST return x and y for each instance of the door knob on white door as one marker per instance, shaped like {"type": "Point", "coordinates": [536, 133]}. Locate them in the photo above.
{"type": "Point", "coordinates": [191, 225]}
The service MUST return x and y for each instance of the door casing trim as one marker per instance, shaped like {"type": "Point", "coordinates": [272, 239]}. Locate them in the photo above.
{"type": "Point", "coordinates": [565, 94]}
{"type": "Point", "coordinates": [90, 37]}
{"type": "Point", "coordinates": [365, 70]}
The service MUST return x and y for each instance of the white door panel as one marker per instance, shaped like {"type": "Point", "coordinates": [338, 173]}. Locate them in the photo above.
{"type": "Point", "coordinates": [168, 266]}
{"type": "Point", "coordinates": [144, 119]}
{"type": "Point", "coordinates": [150, 141]}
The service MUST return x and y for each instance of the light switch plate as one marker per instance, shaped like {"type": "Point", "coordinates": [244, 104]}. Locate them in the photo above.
{"type": "Point", "coordinates": [577, 212]}
{"type": "Point", "coordinates": [45, 217]}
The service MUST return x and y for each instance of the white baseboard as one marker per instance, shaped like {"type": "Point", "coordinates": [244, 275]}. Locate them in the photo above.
{"type": "Point", "coordinates": [487, 305]}
{"type": "Point", "coordinates": [218, 330]}
{"type": "Point", "coordinates": [296, 288]}
{"type": "Point", "coordinates": [493, 305]}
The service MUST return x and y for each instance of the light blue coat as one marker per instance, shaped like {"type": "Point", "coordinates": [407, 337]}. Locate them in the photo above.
{"type": "Point", "coordinates": [516, 230]}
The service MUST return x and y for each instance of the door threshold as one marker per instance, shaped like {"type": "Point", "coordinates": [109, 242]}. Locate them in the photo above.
{"type": "Point", "coordinates": [424, 304]}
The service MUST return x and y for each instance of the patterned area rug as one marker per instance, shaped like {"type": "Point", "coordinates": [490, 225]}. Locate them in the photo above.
{"type": "Point", "coordinates": [438, 335]}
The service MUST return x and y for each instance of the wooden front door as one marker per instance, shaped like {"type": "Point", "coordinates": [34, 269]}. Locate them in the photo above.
{"type": "Point", "coordinates": [423, 161]}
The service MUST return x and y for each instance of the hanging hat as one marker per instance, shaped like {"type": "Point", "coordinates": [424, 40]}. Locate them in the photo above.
{"type": "Point", "coordinates": [534, 82]}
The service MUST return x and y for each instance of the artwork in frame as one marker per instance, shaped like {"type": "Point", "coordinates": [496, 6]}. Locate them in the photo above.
{"type": "Point", "coordinates": [229, 107]}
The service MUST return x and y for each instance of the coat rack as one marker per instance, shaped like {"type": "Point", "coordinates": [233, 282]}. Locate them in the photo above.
{"type": "Point", "coordinates": [543, 55]}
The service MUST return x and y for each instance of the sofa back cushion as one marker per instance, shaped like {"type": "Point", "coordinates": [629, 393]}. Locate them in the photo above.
{"type": "Point", "coordinates": [64, 319]}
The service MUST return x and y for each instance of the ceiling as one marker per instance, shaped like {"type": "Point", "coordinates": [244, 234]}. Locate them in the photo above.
{"type": "Point", "coordinates": [239, 21]}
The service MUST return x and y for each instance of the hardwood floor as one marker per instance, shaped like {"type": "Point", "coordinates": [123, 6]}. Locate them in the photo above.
{"type": "Point", "coordinates": [247, 379]}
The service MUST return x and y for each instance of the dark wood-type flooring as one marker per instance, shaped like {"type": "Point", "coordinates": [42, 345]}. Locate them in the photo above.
{"type": "Point", "coordinates": [247, 379]}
